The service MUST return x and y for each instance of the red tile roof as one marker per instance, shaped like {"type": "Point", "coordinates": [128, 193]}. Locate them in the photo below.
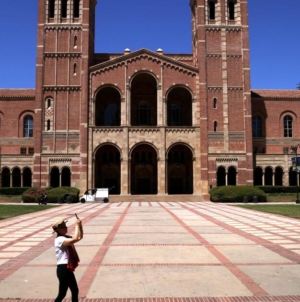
{"type": "Point", "coordinates": [278, 94]}
{"type": "Point", "coordinates": [17, 93]}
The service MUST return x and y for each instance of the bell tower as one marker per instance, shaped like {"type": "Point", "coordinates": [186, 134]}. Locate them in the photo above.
{"type": "Point", "coordinates": [220, 43]}
{"type": "Point", "coordinates": [65, 48]}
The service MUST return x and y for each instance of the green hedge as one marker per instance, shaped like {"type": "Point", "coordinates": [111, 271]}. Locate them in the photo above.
{"type": "Point", "coordinates": [236, 194]}
{"type": "Point", "coordinates": [278, 189]}
{"type": "Point", "coordinates": [54, 195]}
{"type": "Point", "coordinates": [12, 191]}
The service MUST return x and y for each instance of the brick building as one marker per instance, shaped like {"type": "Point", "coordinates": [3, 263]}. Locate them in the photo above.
{"type": "Point", "coordinates": [143, 122]}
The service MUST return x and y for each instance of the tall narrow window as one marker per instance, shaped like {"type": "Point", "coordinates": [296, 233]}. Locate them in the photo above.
{"type": "Point", "coordinates": [48, 125]}
{"type": "Point", "coordinates": [28, 126]}
{"type": "Point", "coordinates": [215, 103]}
{"type": "Point", "coordinates": [51, 8]}
{"type": "Point", "coordinates": [212, 10]}
{"type": "Point", "coordinates": [215, 126]}
{"type": "Point", "coordinates": [288, 126]}
{"type": "Point", "coordinates": [75, 41]}
{"type": "Point", "coordinates": [64, 5]}
{"type": "Point", "coordinates": [256, 126]}
{"type": "Point", "coordinates": [75, 68]}
{"type": "Point", "coordinates": [231, 10]}
{"type": "Point", "coordinates": [76, 8]}
{"type": "Point", "coordinates": [49, 103]}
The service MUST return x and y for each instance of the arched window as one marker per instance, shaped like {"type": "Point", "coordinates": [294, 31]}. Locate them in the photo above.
{"type": "Point", "coordinates": [215, 126]}
{"type": "Point", "coordinates": [278, 176]}
{"type": "Point", "coordinates": [215, 102]}
{"type": "Point", "coordinates": [5, 178]}
{"type": "Point", "coordinates": [51, 8]}
{"type": "Point", "coordinates": [66, 177]}
{"type": "Point", "coordinates": [64, 6]}
{"type": "Point", "coordinates": [48, 103]}
{"type": "Point", "coordinates": [231, 10]}
{"type": "Point", "coordinates": [268, 176]}
{"type": "Point", "coordinates": [28, 126]}
{"type": "Point", "coordinates": [288, 126]}
{"type": "Point", "coordinates": [256, 126]}
{"type": "Point", "coordinates": [144, 113]}
{"type": "Point", "coordinates": [258, 176]}
{"type": "Point", "coordinates": [221, 177]}
{"type": "Point", "coordinates": [212, 10]}
{"type": "Point", "coordinates": [231, 176]}
{"type": "Point", "coordinates": [27, 177]}
{"type": "Point", "coordinates": [76, 8]}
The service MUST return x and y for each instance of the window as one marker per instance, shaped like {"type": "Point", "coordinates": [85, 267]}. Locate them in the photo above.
{"type": "Point", "coordinates": [256, 126]}
{"type": "Point", "coordinates": [288, 126]}
{"type": "Point", "coordinates": [28, 126]}
{"type": "Point", "coordinates": [174, 115]}
{"type": "Point", "coordinates": [212, 10]}
{"type": "Point", "coordinates": [144, 113]}
{"type": "Point", "coordinates": [215, 126]}
{"type": "Point", "coordinates": [51, 8]}
{"type": "Point", "coordinates": [75, 41]}
{"type": "Point", "coordinates": [76, 8]}
{"type": "Point", "coordinates": [75, 68]}
{"type": "Point", "coordinates": [23, 150]}
{"type": "Point", "coordinates": [215, 103]}
{"type": "Point", "coordinates": [48, 125]}
{"type": "Point", "coordinates": [31, 151]}
{"type": "Point", "coordinates": [111, 114]}
{"type": "Point", "coordinates": [231, 10]}
{"type": "Point", "coordinates": [48, 103]}
{"type": "Point", "coordinates": [64, 5]}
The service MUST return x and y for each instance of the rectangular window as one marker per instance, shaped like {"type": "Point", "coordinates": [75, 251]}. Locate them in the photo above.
{"type": "Point", "coordinates": [31, 151]}
{"type": "Point", "coordinates": [23, 150]}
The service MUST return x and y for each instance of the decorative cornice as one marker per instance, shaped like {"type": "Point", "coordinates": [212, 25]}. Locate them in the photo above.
{"type": "Point", "coordinates": [62, 55]}
{"type": "Point", "coordinates": [214, 88]}
{"type": "Point", "coordinates": [61, 88]}
{"type": "Point", "coordinates": [107, 130]}
{"type": "Point", "coordinates": [181, 130]}
{"type": "Point", "coordinates": [234, 56]}
{"type": "Point", "coordinates": [54, 27]}
{"type": "Point", "coordinates": [235, 88]}
{"type": "Point", "coordinates": [214, 55]}
{"type": "Point", "coordinates": [59, 160]}
{"type": "Point", "coordinates": [144, 130]}
{"type": "Point", "coordinates": [227, 159]}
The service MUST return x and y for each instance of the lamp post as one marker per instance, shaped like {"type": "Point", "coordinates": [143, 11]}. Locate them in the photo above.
{"type": "Point", "coordinates": [296, 166]}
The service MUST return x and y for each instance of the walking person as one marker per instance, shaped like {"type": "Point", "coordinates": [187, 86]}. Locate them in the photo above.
{"type": "Point", "coordinates": [67, 258]}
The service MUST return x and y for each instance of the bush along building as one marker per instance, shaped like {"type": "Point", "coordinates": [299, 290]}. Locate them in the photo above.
{"type": "Point", "coordinates": [144, 122]}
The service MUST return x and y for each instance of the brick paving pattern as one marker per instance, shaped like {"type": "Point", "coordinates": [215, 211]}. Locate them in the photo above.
{"type": "Point", "coordinates": [158, 251]}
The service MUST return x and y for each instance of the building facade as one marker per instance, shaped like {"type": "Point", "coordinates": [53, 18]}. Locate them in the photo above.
{"type": "Point", "coordinates": [144, 122]}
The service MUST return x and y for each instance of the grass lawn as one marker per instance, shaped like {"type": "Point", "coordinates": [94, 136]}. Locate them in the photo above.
{"type": "Point", "coordinates": [7, 211]}
{"type": "Point", "coordinates": [289, 210]}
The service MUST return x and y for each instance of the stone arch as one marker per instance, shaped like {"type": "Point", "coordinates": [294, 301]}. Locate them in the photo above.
{"type": "Point", "coordinates": [221, 176]}
{"type": "Point", "coordinates": [27, 177]}
{"type": "Point", "coordinates": [179, 106]}
{"type": "Point", "coordinates": [258, 176]}
{"type": "Point", "coordinates": [16, 177]}
{"type": "Point", "coordinates": [5, 177]}
{"type": "Point", "coordinates": [268, 176]}
{"type": "Point", "coordinates": [107, 167]}
{"type": "Point", "coordinates": [143, 169]}
{"type": "Point", "coordinates": [143, 101]}
{"type": "Point", "coordinates": [107, 106]}
{"type": "Point", "coordinates": [66, 176]}
{"type": "Point", "coordinates": [54, 177]}
{"type": "Point", "coordinates": [180, 158]}
{"type": "Point", "coordinates": [232, 172]}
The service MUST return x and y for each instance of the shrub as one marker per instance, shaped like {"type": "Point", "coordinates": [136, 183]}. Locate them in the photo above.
{"type": "Point", "coordinates": [278, 189]}
{"type": "Point", "coordinates": [12, 191]}
{"type": "Point", "coordinates": [32, 195]}
{"type": "Point", "coordinates": [236, 194]}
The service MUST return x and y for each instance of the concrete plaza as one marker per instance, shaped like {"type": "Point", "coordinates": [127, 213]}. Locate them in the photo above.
{"type": "Point", "coordinates": [156, 250]}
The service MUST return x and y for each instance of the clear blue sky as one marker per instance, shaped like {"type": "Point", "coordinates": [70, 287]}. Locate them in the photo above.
{"type": "Point", "coordinates": [274, 36]}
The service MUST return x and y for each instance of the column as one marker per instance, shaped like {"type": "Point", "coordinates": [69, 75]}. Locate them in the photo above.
{"type": "Point", "coordinates": [124, 177]}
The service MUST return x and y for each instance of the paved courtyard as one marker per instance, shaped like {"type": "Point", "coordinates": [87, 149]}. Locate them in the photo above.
{"type": "Point", "coordinates": [160, 251]}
